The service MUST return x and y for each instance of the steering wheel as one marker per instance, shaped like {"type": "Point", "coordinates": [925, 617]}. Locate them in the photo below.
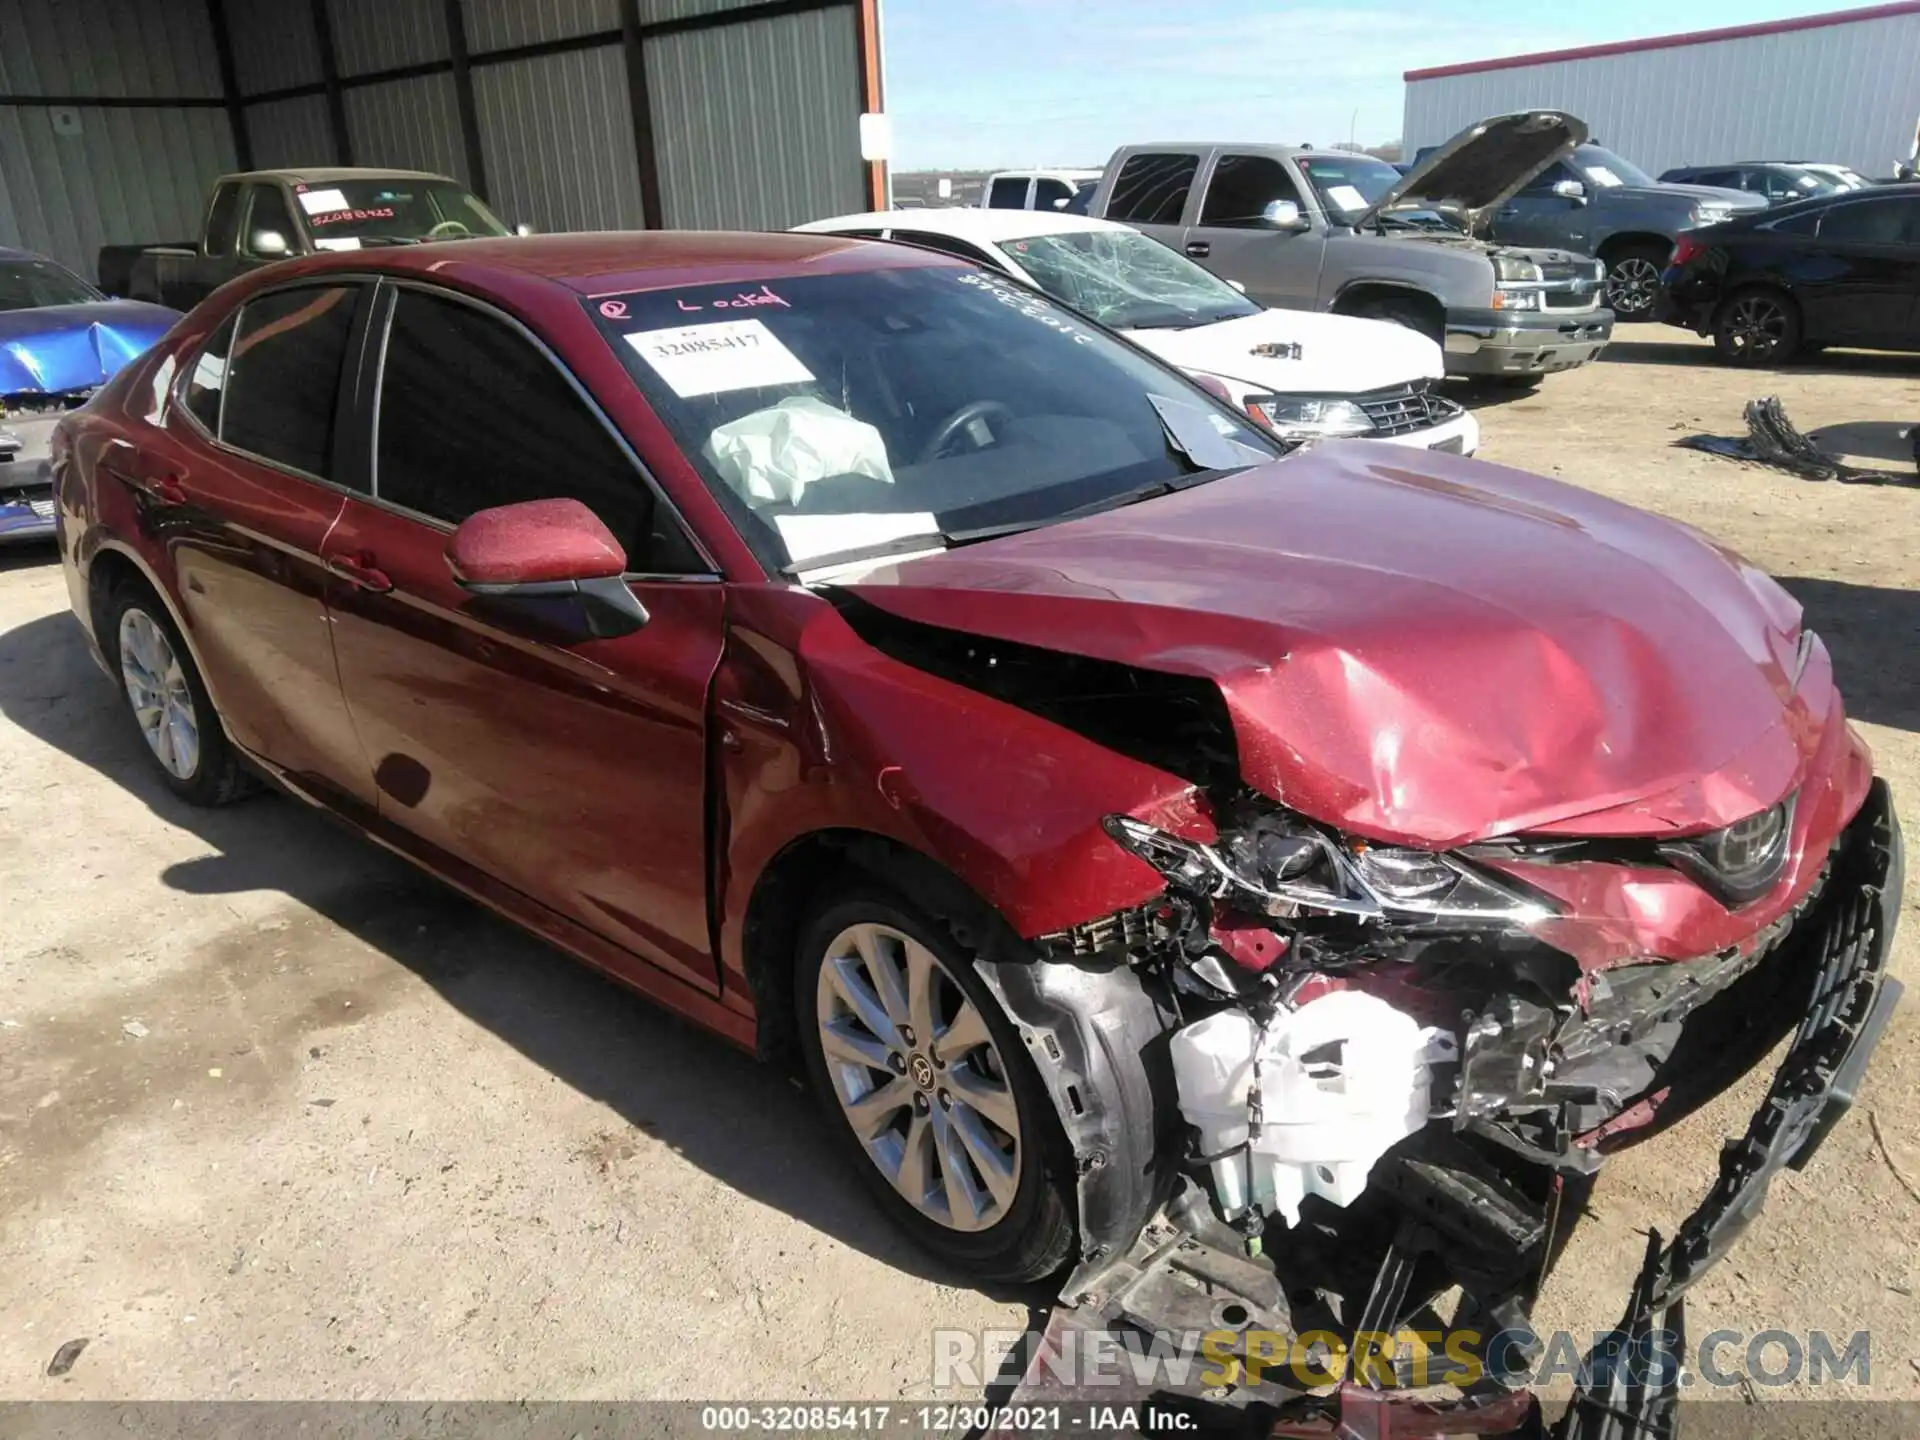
{"type": "Point", "coordinates": [449, 230]}
{"type": "Point", "coordinates": [948, 429]}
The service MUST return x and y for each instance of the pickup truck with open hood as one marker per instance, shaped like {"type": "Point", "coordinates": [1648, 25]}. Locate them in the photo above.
{"type": "Point", "coordinates": [1330, 230]}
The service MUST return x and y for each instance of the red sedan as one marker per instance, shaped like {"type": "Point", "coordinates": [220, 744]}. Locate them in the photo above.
{"type": "Point", "coordinates": [896, 672]}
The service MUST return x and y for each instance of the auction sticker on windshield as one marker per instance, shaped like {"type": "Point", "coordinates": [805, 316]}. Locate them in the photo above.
{"type": "Point", "coordinates": [1346, 197]}
{"type": "Point", "coordinates": [319, 202]}
{"type": "Point", "coordinates": [708, 359]}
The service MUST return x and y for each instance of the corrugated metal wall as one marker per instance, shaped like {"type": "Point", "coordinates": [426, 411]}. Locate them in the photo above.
{"type": "Point", "coordinates": [408, 124]}
{"type": "Point", "coordinates": [84, 176]}
{"type": "Point", "coordinates": [754, 122]}
{"type": "Point", "coordinates": [105, 47]}
{"type": "Point", "coordinates": [1845, 93]}
{"type": "Point", "coordinates": [556, 134]}
{"type": "Point", "coordinates": [127, 176]}
{"type": "Point", "coordinates": [501, 24]}
{"type": "Point", "coordinates": [791, 155]}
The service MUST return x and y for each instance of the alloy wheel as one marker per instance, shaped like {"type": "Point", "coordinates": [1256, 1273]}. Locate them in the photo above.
{"type": "Point", "coordinates": [1632, 284]}
{"type": "Point", "coordinates": [919, 1076]}
{"type": "Point", "coordinates": [157, 691]}
{"type": "Point", "coordinates": [1755, 327]}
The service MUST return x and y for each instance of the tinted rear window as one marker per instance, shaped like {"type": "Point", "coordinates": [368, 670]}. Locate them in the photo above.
{"type": "Point", "coordinates": [284, 375]}
{"type": "Point", "coordinates": [1152, 189]}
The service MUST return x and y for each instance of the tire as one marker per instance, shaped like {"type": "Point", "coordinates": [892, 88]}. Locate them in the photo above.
{"type": "Point", "coordinates": [1407, 313]}
{"type": "Point", "coordinates": [1020, 1230]}
{"type": "Point", "coordinates": [1757, 327]}
{"type": "Point", "coordinates": [1633, 280]}
{"type": "Point", "coordinates": [168, 700]}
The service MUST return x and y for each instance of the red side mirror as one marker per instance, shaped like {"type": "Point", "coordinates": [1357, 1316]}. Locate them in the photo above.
{"type": "Point", "coordinates": [536, 542]}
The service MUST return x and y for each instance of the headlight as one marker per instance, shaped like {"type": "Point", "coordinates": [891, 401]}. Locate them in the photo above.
{"type": "Point", "coordinates": [1282, 865]}
{"type": "Point", "coordinates": [1516, 299]}
{"type": "Point", "coordinates": [1303, 417]}
{"type": "Point", "coordinates": [1712, 214]}
{"type": "Point", "coordinates": [1512, 267]}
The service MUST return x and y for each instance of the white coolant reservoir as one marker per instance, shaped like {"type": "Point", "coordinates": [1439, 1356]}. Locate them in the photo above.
{"type": "Point", "coordinates": [1341, 1079]}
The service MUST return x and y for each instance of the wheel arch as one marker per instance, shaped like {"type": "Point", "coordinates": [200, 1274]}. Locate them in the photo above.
{"type": "Point", "coordinates": [1095, 1033]}
{"type": "Point", "coordinates": [1632, 239]}
{"type": "Point", "coordinates": [1359, 292]}
{"type": "Point", "coordinates": [113, 565]}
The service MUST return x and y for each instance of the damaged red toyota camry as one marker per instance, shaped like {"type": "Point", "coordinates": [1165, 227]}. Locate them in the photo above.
{"type": "Point", "coordinates": [1266, 885]}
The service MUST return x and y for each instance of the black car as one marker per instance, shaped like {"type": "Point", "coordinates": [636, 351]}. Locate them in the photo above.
{"type": "Point", "coordinates": [1780, 181]}
{"type": "Point", "coordinates": [1840, 270]}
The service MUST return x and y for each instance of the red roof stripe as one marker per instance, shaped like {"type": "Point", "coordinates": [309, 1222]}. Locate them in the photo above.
{"type": "Point", "coordinates": [1668, 42]}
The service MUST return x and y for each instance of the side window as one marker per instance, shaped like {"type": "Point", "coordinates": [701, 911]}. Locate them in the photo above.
{"type": "Point", "coordinates": [1051, 194]}
{"type": "Point", "coordinates": [1869, 222]}
{"type": "Point", "coordinates": [223, 220]}
{"type": "Point", "coordinates": [1543, 183]}
{"type": "Point", "coordinates": [1008, 192]}
{"type": "Point", "coordinates": [206, 382]}
{"type": "Point", "coordinates": [269, 212]}
{"type": "Point", "coordinates": [1242, 187]}
{"type": "Point", "coordinates": [447, 447]}
{"type": "Point", "coordinates": [1151, 189]}
{"type": "Point", "coordinates": [283, 375]}
{"type": "Point", "coordinates": [1804, 224]}
{"type": "Point", "coordinates": [947, 245]}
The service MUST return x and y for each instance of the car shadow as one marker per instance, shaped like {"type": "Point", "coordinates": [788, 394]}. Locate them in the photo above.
{"type": "Point", "coordinates": [1884, 441]}
{"type": "Point", "coordinates": [1872, 632]}
{"type": "Point", "coordinates": [1481, 394]}
{"type": "Point", "coordinates": [1833, 362]}
{"type": "Point", "coordinates": [28, 555]}
{"type": "Point", "coordinates": [743, 1122]}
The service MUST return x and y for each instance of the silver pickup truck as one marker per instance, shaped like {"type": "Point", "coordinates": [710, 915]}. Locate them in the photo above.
{"type": "Point", "coordinates": [1310, 229]}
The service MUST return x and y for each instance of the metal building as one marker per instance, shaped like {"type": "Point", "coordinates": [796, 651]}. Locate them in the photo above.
{"type": "Point", "coordinates": [1841, 88]}
{"type": "Point", "coordinates": [116, 115]}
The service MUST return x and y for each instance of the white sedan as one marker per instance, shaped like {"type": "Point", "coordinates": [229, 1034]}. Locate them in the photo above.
{"type": "Point", "coordinates": [1305, 375]}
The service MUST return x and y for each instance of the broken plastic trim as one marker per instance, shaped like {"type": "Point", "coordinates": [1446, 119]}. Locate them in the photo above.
{"type": "Point", "coordinates": [1771, 439]}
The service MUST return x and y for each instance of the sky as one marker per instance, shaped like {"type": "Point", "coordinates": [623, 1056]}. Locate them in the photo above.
{"type": "Point", "coordinates": [979, 84]}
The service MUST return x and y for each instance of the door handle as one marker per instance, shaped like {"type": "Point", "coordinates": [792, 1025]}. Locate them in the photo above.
{"type": "Point", "coordinates": [166, 490]}
{"type": "Point", "coordinates": [359, 570]}
{"type": "Point", "coordinates": [1199, 249]}
{"type": "Point", "coordinates": [1511, 212]}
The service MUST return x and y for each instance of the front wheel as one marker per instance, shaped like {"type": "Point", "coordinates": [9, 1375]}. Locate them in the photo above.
{"type": "Point", "coordinates": [1757, 327]}
{"type": "Point", "coordinates": [169, 701]}
{"type": "Point", "coordinates": [1633, 280]}
{"type": "Point", "coordinates": [927, 1089]}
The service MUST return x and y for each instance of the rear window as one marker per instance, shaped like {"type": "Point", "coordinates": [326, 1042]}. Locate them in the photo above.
{"type": "Point", "coordinates": [283, 375]}
{"type": "Point", "coordinates": [1151, 189]}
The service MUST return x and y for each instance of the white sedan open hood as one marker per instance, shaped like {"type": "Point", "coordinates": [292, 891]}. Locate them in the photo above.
{"type": "Point", "coordinates": [1335, 354]}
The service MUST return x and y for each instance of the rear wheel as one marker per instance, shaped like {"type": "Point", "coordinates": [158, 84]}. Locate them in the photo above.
{"type": "Point", "coordinates": [169, 700]}
{"type": "Point", "coordinates": [1633, 280]}
{"type": "Point", "coordinates": [927, 1089]}
{"type": "Point", "coordinates": [1757, 327]}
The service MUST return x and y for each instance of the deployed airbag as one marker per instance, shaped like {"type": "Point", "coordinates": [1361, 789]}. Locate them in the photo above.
{"type": "Point", "coordinates": [772, 455]}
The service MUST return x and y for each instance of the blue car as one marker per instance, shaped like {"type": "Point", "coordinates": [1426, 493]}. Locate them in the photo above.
{"type": "Point", "coordinates": [60, 339]}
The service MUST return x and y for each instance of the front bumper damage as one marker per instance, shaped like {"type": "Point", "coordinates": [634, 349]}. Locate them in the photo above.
{"type": "Point", "coordinates": [1488, 1211]}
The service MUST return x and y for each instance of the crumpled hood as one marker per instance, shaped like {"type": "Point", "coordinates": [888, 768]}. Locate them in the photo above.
{"type": "Point", "coordinates": [1339, 354]}
{"type": "Point", "coordinates": [74, 347]}
{"type": "Point", "coordinates": [1423, 648]}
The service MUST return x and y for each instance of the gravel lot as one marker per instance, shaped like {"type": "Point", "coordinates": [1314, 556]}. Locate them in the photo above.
{"type": "Point", "coordinates": [279, 1119]}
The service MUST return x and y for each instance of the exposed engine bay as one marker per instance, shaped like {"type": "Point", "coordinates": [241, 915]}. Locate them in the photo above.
{"type": "Point", "coordinates": [1397, 1069]}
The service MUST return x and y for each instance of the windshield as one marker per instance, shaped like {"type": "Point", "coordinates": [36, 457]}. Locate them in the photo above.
{"type": "Point", "coordinates": [1127, 281]}
{"type": "Point", "coordinates": [30, 284]}
{"type": "Point", "coordinates": [839, 415]}
{"type": "Point", "coordinates": [1812, 182]}
{"type": "Point", "coordinates": [1603, 169]}
{"type": "Point", "coordinates": [347, 214]}
{"type": "Point", "coordinates": [1348, 184]}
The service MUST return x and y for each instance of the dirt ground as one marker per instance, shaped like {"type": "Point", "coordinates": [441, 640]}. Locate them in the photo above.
{"type": "Point", "coordinates": [279, 1119]}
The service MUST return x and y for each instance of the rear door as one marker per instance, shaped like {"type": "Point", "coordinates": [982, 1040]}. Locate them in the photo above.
{"type": "Point", "coordinates": [243, 486]}
{"type": "Point", "coordinates": [1280, 268]}
{"type": "Point", "coordinates": [574, 773]}
{"type": "Point", "coordinates": [1861, 288]}
{"type": "Point", "coordinates": [1151, 191]}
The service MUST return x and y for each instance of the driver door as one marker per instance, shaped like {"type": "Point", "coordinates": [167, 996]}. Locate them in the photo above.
{"type": "Point", "coordinates": [574, 774]}
{"type": "Point", "coordinates": [1537, 216]}
{"type": "Point", "coordinates": [1279, 268]}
